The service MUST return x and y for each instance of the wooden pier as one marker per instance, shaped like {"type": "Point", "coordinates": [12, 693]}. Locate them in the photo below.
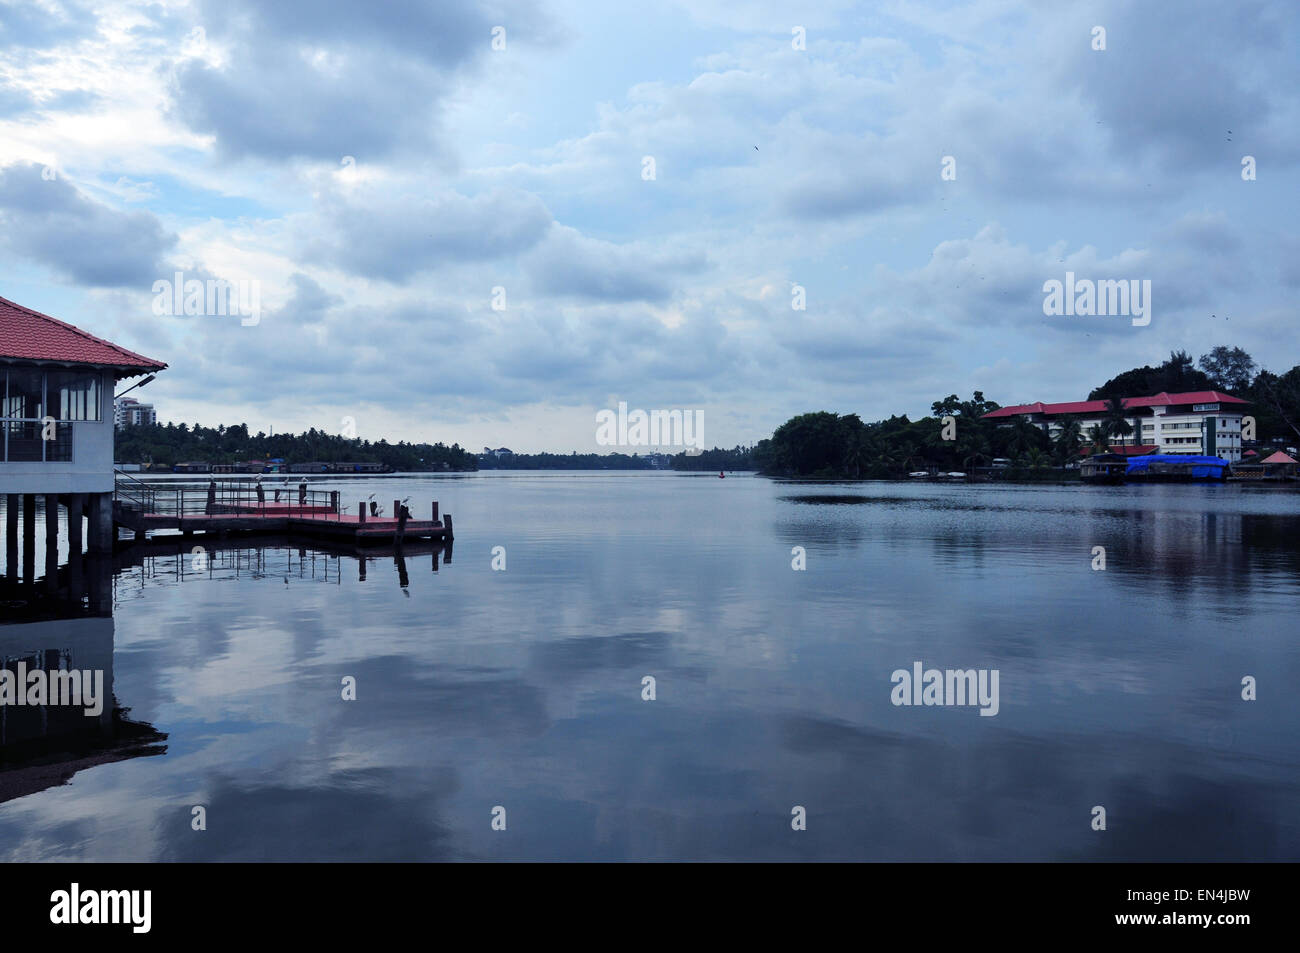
{"type": "Point", "coordinates": [243, 507]}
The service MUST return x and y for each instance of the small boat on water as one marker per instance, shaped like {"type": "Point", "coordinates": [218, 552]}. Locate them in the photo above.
{"type": "Point", "coordinates": [1154, 468]}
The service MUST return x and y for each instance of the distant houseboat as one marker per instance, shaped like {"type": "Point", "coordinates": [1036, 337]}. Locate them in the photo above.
{"type": "Point", "coordinates": [319, 467]}
{"type": "Point", "coordinates": [1154, 468]}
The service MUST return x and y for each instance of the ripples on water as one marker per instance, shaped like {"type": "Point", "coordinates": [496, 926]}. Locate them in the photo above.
{"type": "Point", "coordinates": [523, 688]}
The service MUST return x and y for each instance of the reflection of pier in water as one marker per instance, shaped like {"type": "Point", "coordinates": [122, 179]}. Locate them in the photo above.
{"type": "Point", "coordinates": [167, 559]}
{"type": "Point", "coordinates": [64, 623]}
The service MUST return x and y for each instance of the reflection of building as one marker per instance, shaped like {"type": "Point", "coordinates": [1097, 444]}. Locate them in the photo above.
{"type": "Point", "coordinates": [62, 626]}
{"type": "Point", "coordinates": [129, 412]}
{"type": "Point", "coordinates": [1198, 422]}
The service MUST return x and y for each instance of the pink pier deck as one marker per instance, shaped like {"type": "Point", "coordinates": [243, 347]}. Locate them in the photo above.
{"type": "Point", "coordinates": [318, 515]}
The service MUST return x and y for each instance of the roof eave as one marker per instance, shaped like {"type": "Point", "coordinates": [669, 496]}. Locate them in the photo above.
{"type": "Point", "coordinates": [121, 371]}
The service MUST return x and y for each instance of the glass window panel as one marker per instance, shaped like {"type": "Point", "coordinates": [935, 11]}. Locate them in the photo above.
{"type": "Point", "coordinates": [59, 450]}
{"type": "Point", "coordinates": [74, 395]}
{"type": "Point", "coordinates": [25, 444]}
{"type": "Point", "coordinates": [23, 398]}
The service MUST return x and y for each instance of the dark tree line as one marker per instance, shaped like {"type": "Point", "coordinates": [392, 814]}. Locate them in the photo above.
{"type": "Point", "coordinates": [179, 443]}
{"type": "Point", "coordinates": [562, 461]}
{"type": "Point", "coordinates": [737, 458]}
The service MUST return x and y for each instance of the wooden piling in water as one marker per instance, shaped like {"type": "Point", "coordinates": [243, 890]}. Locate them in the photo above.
{"type": "Point", "coordinates": [446, 524]}
{"type": "Point", "coordinates": [435, 511]}
{"type": "Point", "coordinates": [361, 512]}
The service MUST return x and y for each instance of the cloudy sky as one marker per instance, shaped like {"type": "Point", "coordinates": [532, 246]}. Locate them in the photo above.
{"type": "Point", "coordinates": [646, 188]}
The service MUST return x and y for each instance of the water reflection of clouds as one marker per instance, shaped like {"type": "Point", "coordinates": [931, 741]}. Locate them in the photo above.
{"type": "Point", "coordinates": [523, 688]}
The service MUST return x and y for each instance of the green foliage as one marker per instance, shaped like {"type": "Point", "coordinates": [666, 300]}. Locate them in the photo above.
{"type": "Point", "coordinates": [178, 443]}
{"type": "Point", "coordinates": [737, 458]}
{"type": "Point", "coordinates": [1277, 404]}
{"type": "Point", "coordinates": [1174, 375]}
{"type": "Point", "coordinates": [1230, 368]}
{"type": "Point", "coordinates": [830, 446]}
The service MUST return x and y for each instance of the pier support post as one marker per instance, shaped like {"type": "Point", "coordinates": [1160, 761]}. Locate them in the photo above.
{"type": "Point", "coordinates": [76, 503]}
{"type": "Point", "coordinates": [361, 512]}
{"type": "Point", "coordinates": [29, 537]}
{"type": "Point", "coordinates": [99, 584]}
{"type": "Point", "coordinates": [446, 523]}
{"type": "Point", "coordinates": [101, 522]}
{"type": "Point", "coordinates": [51, 542]}
{"type": "Point", "coordinates": [12, 505]}
{"type": "Point", "coordinates": [435, 511]}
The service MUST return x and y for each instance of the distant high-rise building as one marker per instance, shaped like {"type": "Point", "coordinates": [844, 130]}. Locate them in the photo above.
{"type": "Point", "coordinates": [129, 412]}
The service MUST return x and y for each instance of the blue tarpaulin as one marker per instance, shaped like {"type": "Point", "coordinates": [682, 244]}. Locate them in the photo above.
{"type": "Point", "coordinates": [1200, 468]}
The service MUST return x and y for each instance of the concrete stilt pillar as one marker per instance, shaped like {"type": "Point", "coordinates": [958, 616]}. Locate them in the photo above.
{"type": "Point", "coordinates": [101, 522]}
{"type": "Point", "coordinates": [12, 506]}
{"type": "Point", "coordinates": [29, 537]}
{"type": "Point", "coordinates": [76, 503]}
{"type": "Point", "coordinates": [51, 542]}
{"type": "Point", "coordinates": [99, 583]}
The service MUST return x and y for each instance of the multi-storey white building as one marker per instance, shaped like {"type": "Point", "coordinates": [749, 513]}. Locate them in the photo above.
{"type": "Point", "coordinates": [1198, 422]}
{"type": "Point", "coordinates": [129, 412]}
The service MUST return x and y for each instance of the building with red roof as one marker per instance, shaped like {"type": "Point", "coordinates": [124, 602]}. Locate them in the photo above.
{"type": "Point", "coordinates": [1203, 423]}
{"type": "Point", "coordinates": [56, 417]}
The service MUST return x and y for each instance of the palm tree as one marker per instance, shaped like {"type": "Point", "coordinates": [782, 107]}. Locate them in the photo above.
{"type": "Point", "coordinates": [1099, 437]}
{"type": "Point", "coordinates": [1023, 436]}
{"type": "Point", "coordinates": [1067, 440]}
{"type": "Point", "coordinates": [973, 448]}
{"type": "Point", "coordinates": [903, 455]}
{"type": "Point", "coordinates": [857, 455]}
{"type": "Point", "coordinates": [1116, 420]}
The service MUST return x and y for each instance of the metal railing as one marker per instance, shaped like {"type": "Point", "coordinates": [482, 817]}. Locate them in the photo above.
{"type": "Point", "coordinates": [131, 493]}
{"type": "Point", "coordinates": [226, 498]}
{"type": "Point", "coordinates": [35, 441]}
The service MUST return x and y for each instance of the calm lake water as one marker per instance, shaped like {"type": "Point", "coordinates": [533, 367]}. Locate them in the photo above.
{"type": "Point", "coordinates": [522, 688]}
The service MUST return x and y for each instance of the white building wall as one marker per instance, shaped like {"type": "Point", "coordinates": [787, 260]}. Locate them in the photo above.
{"type": "Point", "coordinates": [1171, 433]}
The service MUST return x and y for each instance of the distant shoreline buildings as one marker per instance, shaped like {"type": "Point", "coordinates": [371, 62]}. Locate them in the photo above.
{"type": "Point", "coordinates": [1200, 423]}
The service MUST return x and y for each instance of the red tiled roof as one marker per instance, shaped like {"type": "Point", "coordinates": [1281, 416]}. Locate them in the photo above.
{"type": "Point", "coordinates": [1099, 406]}
{"type": "Point", "coordinates": [28, 335]}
